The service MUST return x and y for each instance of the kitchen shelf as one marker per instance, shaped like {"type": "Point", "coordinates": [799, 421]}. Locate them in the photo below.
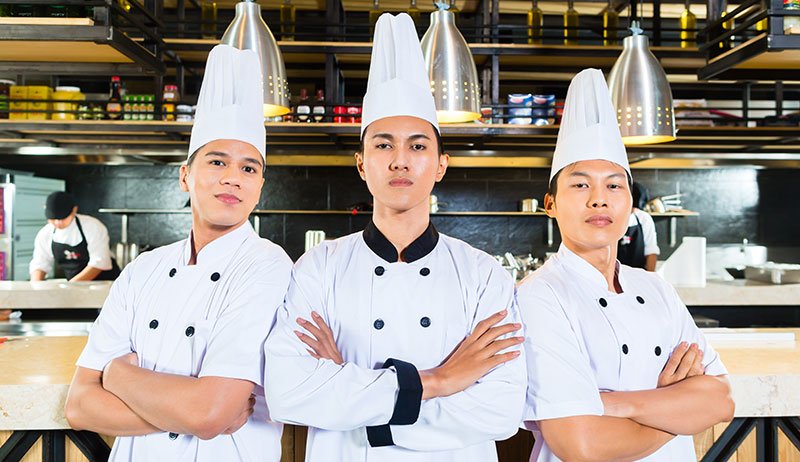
{"type": "Point", "coordinates": [333, 144]}
{"type": "Point", "coordinates": [531, 60]}
{"type": "Point", "coordinates": [72, 46]}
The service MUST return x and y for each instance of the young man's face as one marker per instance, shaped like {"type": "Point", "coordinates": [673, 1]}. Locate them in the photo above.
{"type": "Point", "coordinates": [62, 223]}
{"type": "Point", "coordinates": [224, 182]}
{"type": "Point", "coordinates": [401, 162]}
{"type": "Point", "coordinates": [592, 204]}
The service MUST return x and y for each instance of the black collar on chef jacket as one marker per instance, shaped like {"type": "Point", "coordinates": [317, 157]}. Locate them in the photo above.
{"type": "Point", "coordinates": [423, 245]}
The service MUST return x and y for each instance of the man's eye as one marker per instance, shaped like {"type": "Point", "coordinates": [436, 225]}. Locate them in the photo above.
{"type": "Point", "coordinates": [382, 146]}
{"type": "Point", "coordinates": [580, 185]}
{"type": "Point", "coordinates": [418, 147]}
{"type": "Point", "coordinates": [250, 170]}
{"type": "Point", "coordinates": [217, 162]}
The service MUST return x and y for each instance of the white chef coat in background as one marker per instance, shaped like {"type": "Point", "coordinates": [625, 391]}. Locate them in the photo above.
{"type": "Point", "coordinates": [96, 240]}
{"type": "Point", "coordinates": [648, 231]}
{"type": "Point", "coordinates": [582, 339]}
{"type": "Point", "coordinates": [207, 319]}
{"type": "Point", "coordinates": [417, 312]}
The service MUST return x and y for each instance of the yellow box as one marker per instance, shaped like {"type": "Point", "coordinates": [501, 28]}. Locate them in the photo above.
{"type": "Point", "coordinates": [18, 92]}
{"type": "Point", "coordinates": [39, 93]}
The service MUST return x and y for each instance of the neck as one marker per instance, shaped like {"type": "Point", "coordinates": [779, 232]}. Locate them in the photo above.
{"type": "Point", "coordinates": [603, 259]}
{"type": "Point", "coordinates": [401, 228]}
{"type": "Point", "coordinates": [204, 233]}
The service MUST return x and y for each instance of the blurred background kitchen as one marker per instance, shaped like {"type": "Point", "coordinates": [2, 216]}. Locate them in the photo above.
{"type": "Point", "coordinates": [96, 99]}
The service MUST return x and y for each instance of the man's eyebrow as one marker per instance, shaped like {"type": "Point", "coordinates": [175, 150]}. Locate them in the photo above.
{"type": "Point", "coordinates": [387, 136]}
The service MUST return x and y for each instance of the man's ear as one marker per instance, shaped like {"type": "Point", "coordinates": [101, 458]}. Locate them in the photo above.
{"type": "Point", "coordinates": [549, 205]}
{"type": "Point", "coordinates": [444, 161]}
{"type": "Point", "coordinates": [359, 156]}
{"type": "Point", "coordinates": [183, 178]}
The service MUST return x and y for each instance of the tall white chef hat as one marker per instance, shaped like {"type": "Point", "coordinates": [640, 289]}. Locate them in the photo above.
{"type": "Point", "coordinates": [589, 129]}
{"type": "Point", "coordinates": [230, 105]}
{"type": "Point", "coordinates": [398, 81]}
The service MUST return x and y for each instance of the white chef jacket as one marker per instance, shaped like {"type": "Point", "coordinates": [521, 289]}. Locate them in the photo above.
{"type": "Point", "coordinates": [96, 240]}
{"type": "Point", "coordinates": [415, 312]}
{"type": "Point", "coordinates": [648, 231]}
{"type": "Point", "coordinates": [582, 338]}
{"type": "Point", "coordinates": [207, 319]}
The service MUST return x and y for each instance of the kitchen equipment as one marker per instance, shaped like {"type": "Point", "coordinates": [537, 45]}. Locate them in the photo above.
{"type": "Point", "coordinates": [314, 238]}
{"type": "Point", "coordinates": [528, 205]}
{"type": "Point", "coordinates": [518, 266]}
{"type": "Point", "coordinates": [434, 203]}
{"type": "Point", "coordinates": [721, 257]}
{"type": "Point", "coordinates": [664, 204]}
{"type": "Point", "coordinates": [774, 273]}
{"type": "Point", "coordinates": [125, 252]}
{"type": "Point", "coordinates": [22, 198]}
{"type": "Point", "coordinates": [737, 272]}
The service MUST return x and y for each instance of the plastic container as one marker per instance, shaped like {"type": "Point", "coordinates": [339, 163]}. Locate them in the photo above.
{"type": "Point", "coordinates": [64, 108]}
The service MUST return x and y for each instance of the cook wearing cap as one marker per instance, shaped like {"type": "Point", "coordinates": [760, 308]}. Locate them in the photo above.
{"type": "Point", "coordinates": [384, 347]}
{"type": "Point", "coordinates": [178, 343]}
{"type": "Point", "coordinates": [617, 369]}
{"type": "Point", "coordinates": [73, 243]}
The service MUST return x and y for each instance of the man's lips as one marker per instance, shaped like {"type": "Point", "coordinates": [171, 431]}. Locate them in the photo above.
{"type": "Point", "coordinates": [228, 198]}
{"type": "Point", "coordinates": [400, 182]}
{"type": "Point", "coordinates": [599, 220]}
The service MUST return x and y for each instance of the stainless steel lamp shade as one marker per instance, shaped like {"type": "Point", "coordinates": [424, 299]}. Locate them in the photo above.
{"type": "Point", "coordinates": [248, 31]}
{"type": "Point", "coordinates": [641, 94]}
{"type": "Point", "coordinates": [451, 69]}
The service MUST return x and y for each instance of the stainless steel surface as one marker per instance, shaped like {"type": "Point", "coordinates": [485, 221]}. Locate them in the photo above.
{"type": "Point", "coordinates": [641, 94]}
{"type": "Point", "coordinates": [774, 273]}
{"type": "Point", "coordinates": [722, 256]}
{"type": "Point", "coordinates": [451, 68]}
{"type": "Point", "coordinates": [49, 329]}
{"type": "Point", "coordinates": [248, 31]}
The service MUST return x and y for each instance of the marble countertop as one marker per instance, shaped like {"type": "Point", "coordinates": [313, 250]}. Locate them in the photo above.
{"type": "Point", "coordinates": [740, 292]}
{"type": "Point", "coordinates": [63, 294]}
{"type": "Point", "coordinates": [35, 373]}
{"type": "Point", "coordinates": [56, 293]}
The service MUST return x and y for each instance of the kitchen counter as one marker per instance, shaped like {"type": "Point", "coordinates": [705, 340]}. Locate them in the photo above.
{"type": "Point", "coordinates": [740, 292]}
{"type": "Point", "coordinates": [53, 294]}
{"type": "Point", "coordinates": [35, 373]}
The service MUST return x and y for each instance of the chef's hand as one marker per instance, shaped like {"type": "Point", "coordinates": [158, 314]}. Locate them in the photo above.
{"type": "Point", "coordinates": [247, 411]}
{"type": "Point", "coordinates": [473, 358]}
{"type": "Point", "coordinates": [686, 361]}
{"type": "Point", "coordinates": [322, 345]}
{"type": "Point", "coordinates": [4, 315]}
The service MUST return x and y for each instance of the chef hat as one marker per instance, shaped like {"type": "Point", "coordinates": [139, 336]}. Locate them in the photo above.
{"type": "Point", "coordinates": [589, 129]}
{"type": "Point", "coordinates": [230, 105]}
{"type": "Point", "coordinates": [398, 81]}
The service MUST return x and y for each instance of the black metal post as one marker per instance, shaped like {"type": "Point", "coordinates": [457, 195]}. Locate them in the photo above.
{"type": "Point", "coordinates": [53, 446]}
{"type": "Point", "coordinates": [657, 23]}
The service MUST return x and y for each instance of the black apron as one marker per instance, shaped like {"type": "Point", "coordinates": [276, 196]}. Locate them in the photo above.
{"type": "Point", "coordinates": [630, 250]}
{"type": "Point", "coordinates": [72, 259]}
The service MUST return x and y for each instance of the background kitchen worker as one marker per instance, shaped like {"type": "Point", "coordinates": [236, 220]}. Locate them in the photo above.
{"type": "Point", "coordinates": [74, 243]}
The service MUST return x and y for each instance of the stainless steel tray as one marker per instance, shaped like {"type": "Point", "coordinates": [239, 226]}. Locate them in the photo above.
{"type": "Point", "coordinates": [774, 273]}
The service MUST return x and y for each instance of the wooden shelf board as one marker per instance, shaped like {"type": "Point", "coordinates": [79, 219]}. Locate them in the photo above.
{"type": "Point", "coordinates": [60, 52]}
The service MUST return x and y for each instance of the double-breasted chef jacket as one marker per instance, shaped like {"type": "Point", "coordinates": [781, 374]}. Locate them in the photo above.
{"type": "Point", "coordinates": [207, 319]}
{"type": "Point", "coordinates": [391, 319]}
{"type": "Point", "coordinates": [582, 339]}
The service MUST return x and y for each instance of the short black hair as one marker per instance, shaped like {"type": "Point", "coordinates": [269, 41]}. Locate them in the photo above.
{"type": "Point", "coordinates": [552, 188]}
{"type": "Point", "coordinates": [438, 136]}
